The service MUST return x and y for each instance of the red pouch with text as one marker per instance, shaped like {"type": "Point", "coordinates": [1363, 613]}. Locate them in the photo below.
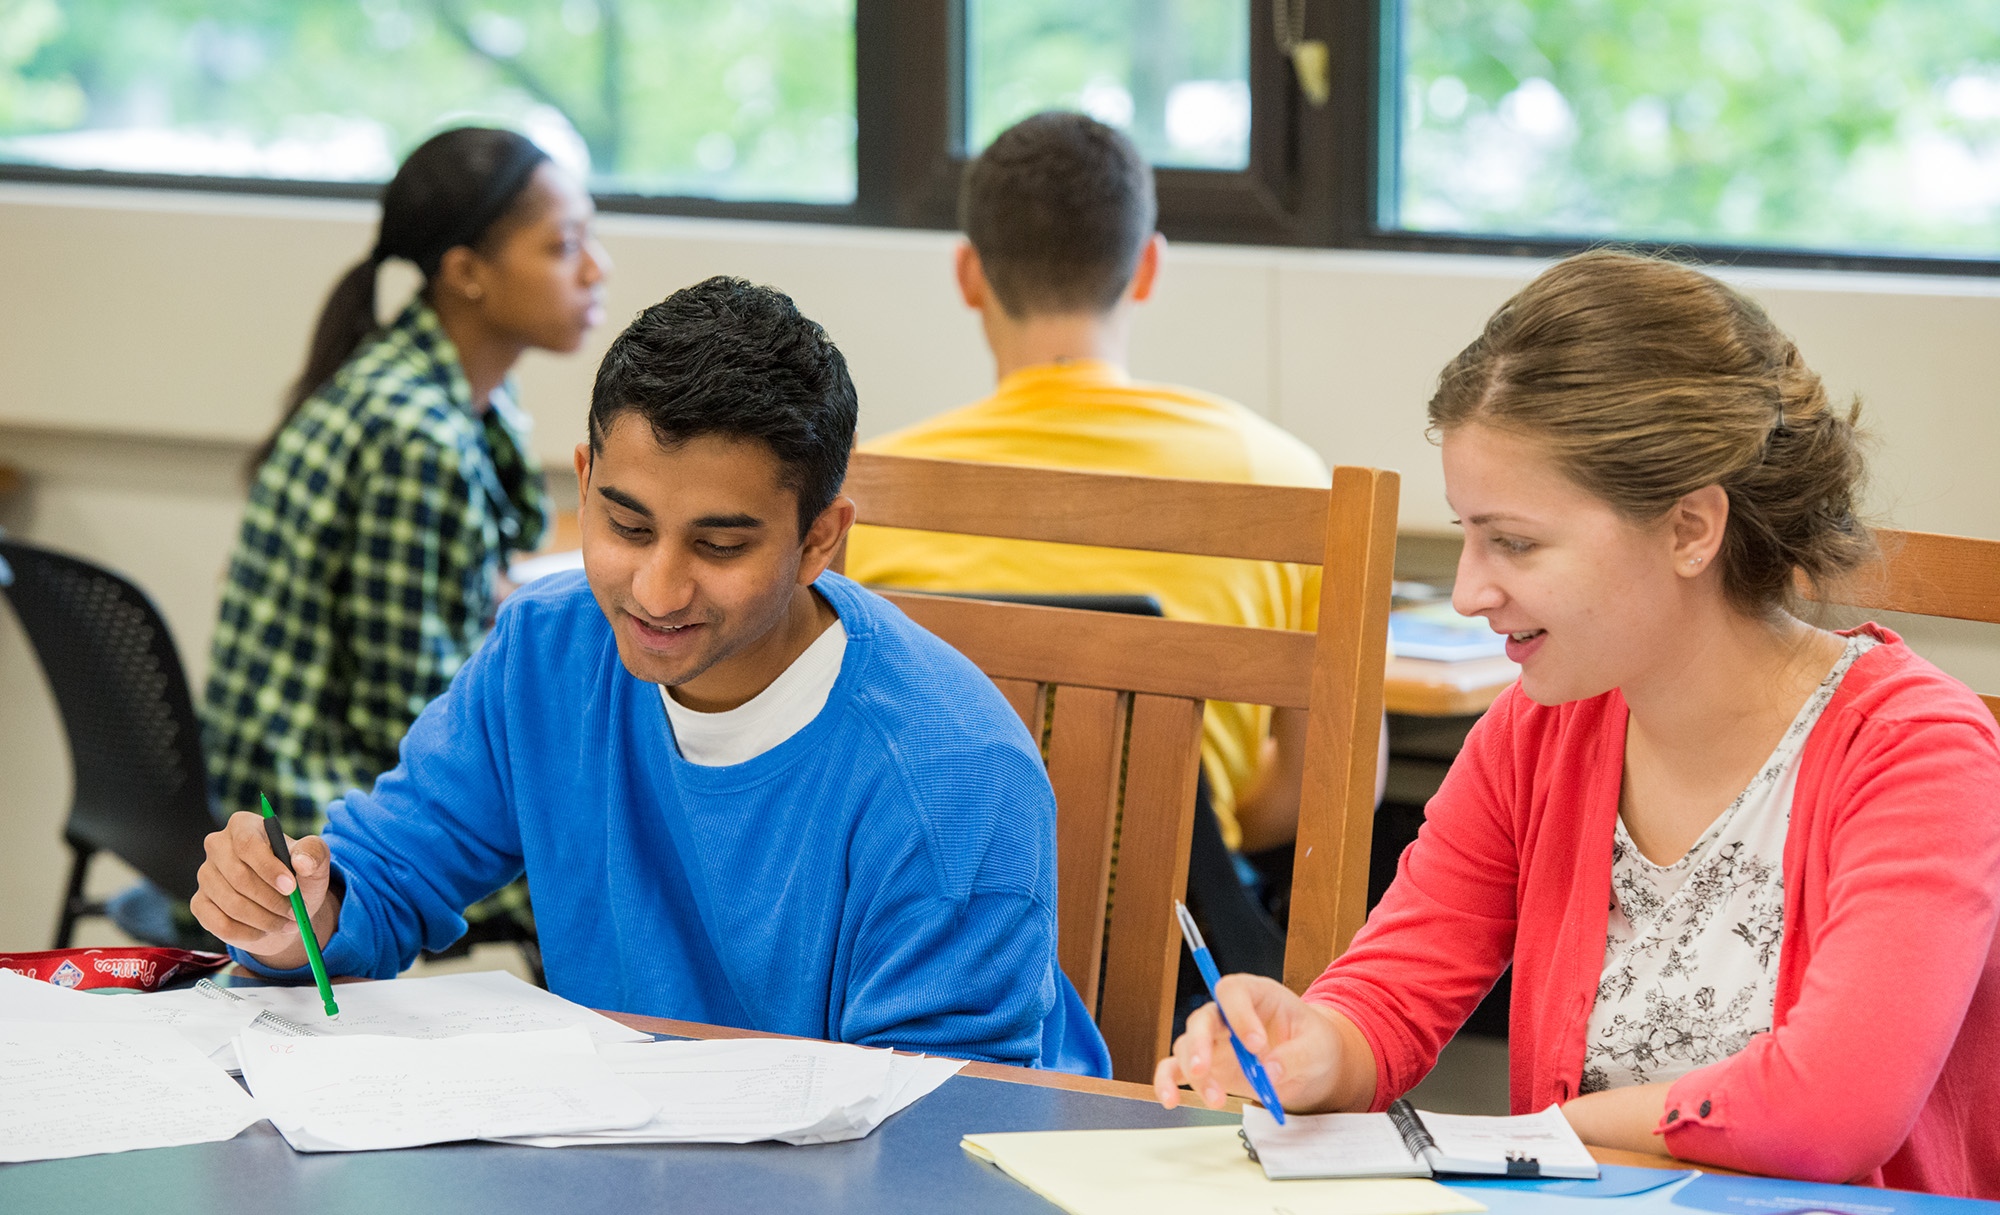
{"type": "Point", "coordinates": [140, 967]}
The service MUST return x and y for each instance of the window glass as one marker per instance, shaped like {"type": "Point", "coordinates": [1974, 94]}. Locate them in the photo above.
{"type": "Point", "coordinates": [1850, 125]}
{"type": "Point", "coordinates": [1172, 74]}
{"type": "Point", "coordinates": [744, 99]}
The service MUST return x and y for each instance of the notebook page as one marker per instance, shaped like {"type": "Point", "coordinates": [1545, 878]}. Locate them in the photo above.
{"type": "Point", "coordinates": [1329, 1145]}
{"type": "Point", "coordinates": [1469, 1143]}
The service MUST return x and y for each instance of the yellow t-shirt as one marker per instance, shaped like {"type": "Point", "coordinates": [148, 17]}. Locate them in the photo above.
{"type": "Point", "coordinates": [1088, 414]}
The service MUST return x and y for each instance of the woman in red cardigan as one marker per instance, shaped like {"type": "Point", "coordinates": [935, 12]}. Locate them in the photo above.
{"type": "Point", "coordinates": [1746, 870]}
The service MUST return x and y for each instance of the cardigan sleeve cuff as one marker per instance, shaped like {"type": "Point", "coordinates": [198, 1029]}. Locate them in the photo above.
{"type": "Point", "coordinates": [1696, 1117]}
{"type": "Point", "coordinates": [1384, 1094]}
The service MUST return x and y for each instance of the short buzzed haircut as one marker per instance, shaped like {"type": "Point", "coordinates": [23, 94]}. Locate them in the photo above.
{"type": "Point", "coordinates": [1059, 207]}
{"type": "Point", "coordinates": [727, 357]}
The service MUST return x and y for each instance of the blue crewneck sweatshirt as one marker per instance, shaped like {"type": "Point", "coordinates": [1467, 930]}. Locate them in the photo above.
{"type": "Point", "coordinates": [884, 876]}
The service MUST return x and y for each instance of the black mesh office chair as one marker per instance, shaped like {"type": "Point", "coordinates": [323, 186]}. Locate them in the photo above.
{"type": "Point", "coordinates": [135, 745]}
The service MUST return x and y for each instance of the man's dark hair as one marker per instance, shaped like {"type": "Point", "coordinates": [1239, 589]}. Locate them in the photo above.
{"type": "Point", "coordinates": [727, 357]}
{"type": "Point", "coordinates": [1059, 207]}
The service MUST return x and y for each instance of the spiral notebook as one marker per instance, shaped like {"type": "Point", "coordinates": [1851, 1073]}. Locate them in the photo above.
{"type": "Point", "coordinates": [1405, 1142]}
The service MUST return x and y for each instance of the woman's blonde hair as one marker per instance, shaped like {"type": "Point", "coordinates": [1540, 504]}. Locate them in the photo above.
{"type": "Point", "coordinates": [1646, 380]}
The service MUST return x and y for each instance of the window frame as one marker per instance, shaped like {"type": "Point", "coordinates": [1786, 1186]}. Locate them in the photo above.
{"type": "Point", "coordinates": [1318, 177]}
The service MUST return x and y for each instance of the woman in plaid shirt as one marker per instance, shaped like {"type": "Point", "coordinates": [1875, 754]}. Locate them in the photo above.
{"type": "Point", "coordinates": [368, 565]}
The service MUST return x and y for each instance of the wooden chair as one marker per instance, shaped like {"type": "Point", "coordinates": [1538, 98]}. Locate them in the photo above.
{"type": "Point", "coordinates": [1113, 674]}
{"type": "Point", "coordinates": [1929, 574]}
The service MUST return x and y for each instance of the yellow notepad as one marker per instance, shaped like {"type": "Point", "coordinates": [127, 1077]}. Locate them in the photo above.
{"type": "Point", "coordinates": [1190, 1170]}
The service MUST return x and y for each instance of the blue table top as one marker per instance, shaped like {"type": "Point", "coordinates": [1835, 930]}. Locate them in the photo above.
{"type": "Point", "coordinates": [910, 1163]}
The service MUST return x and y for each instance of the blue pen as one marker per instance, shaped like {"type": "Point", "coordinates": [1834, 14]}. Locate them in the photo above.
{"type": "Point", "coordinates": [1209, 975]}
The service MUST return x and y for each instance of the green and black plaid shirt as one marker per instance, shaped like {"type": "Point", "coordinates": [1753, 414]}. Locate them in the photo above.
{"type": "Point", "coordinates": [363, 577]}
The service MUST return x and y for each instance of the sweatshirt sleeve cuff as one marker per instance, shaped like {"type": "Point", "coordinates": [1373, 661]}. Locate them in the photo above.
{"type": "Point", "coordinates": [298, 974]}
{"type": "Point", "coordinates": [345, 952]}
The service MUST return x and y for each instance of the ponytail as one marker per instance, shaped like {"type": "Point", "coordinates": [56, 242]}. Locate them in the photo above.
{"type": "Point", "coordinates": [451, 191]}
{"type": "Point", "coordinates": [345, 321]}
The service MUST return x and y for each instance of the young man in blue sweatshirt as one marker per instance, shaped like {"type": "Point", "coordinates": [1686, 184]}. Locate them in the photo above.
{"type": "Point", "coordinates": [744, 790]}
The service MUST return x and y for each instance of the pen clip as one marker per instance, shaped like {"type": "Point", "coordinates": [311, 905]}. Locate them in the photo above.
{"type": "Point", "coordinates": [1189, 933]}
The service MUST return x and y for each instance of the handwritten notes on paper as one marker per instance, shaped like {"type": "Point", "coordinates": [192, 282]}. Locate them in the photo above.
{"type": "Point", "coordinates": [206, 1024]}
{"type": "Point", "coordinates": [78, 1088]}
{"type": "Point", "coordinates": [443, 1006]}
{"type": "Point", "coordinates": [365, 1092]}
{"type": "Point", "coordinates": [412, 1062]}
{"type": "Point", "coordinates": [753, 1089]}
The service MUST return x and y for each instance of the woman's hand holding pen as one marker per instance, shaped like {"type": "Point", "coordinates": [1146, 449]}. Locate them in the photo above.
{"type": "Point", "coordinates": [244, 894]}
{"type": "Point", "coordinates": [1315, 1057]}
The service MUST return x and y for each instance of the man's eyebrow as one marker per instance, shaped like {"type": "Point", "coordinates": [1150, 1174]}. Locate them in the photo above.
{"type": "Point", "coordinates": [625, 500]}
{"type": "Point", "coordinates": [737, 522]}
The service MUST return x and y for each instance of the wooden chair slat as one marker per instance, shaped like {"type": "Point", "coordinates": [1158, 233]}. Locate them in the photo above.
{"type": "Point", "coordinates": [1159, 514]}
{"type": "Point", "coordinates": [1127, 653]}
{"type": "Point", "coordinates": [1331, 852]}
{"type": "Point", "coordinates": [1928, 574]}
{"type": "Point", "coordinates": [1156, 674]}
{"type": "Point", "coordinates": [1142, 958]}
{"type": "Point", "coordinates": [1085, 746]}
{"type": "Point", "coordinates": [1026, 695]}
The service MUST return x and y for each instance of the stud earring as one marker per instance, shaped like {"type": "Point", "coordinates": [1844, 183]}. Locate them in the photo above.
{"type": "Point", "coordinates": [1694, 560]}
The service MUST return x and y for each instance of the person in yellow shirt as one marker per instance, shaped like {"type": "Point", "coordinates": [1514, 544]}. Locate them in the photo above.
{"type": "Point", "coordinates": [1058, 215]}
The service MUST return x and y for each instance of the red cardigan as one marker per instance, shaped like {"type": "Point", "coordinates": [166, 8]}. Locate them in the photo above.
{"type": "Point", "coordinates": [1883, 1064]}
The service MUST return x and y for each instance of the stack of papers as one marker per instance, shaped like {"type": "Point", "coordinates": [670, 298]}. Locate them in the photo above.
{"type": "Point", "coordinates": [1440, 634]}
{"type": "Point", "coordinates": [556, 1088]}
{"type": "Point", "coordinates": [411, 1062]}
{"type": "Point", "coordinates": [75, 1089]}
{"type": "Point", "coordinates": [443, 1006]}
{"type": "Point", "coordinates": [755, 1089]}
{"type": "Point", "coordinates": [207, 1025]}
{"type": "Point", "coordinates": [366, 1092]}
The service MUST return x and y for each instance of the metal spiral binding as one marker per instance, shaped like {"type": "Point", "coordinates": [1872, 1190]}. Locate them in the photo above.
{"type": "Point", "coordinates": [268, 1019]}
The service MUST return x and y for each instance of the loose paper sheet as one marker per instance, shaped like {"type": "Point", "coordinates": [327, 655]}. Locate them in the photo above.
{"type": "Point", "coordinates": [1195, 1170]}
{"type": "Point", "coordinates": [442, 1006]}
{"type": "Point", "coordinates": [75, 1089]}
{"type": "Point", "coordinates": [747, 1090]}
{"type": "Point", "coordinates": [366, 1092]}
{"type": "Point", "coordinates": [207, 1024]}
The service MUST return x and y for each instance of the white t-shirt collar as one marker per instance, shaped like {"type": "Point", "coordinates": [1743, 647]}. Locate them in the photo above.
{"type": "Point", "coordinates": [741, 734]}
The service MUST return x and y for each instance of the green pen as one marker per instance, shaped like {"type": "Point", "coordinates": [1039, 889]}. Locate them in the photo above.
{"type": "Point", "coordinates": [284, 853]}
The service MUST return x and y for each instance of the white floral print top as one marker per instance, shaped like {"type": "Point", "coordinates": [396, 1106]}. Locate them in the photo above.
{"type": "Point", "coordinates": [1691, 948]}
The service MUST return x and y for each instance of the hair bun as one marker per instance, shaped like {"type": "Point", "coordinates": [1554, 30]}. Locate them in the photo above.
{"type": "Point", "coordinates": [1648, 380]}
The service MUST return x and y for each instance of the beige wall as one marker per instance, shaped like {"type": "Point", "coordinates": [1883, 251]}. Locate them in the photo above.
{"type": "Point", "coordinates": [146, 337]}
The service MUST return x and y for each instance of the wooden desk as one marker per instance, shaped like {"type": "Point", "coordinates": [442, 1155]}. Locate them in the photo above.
{"type": "Point", "coordinates": [1446, 689]}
